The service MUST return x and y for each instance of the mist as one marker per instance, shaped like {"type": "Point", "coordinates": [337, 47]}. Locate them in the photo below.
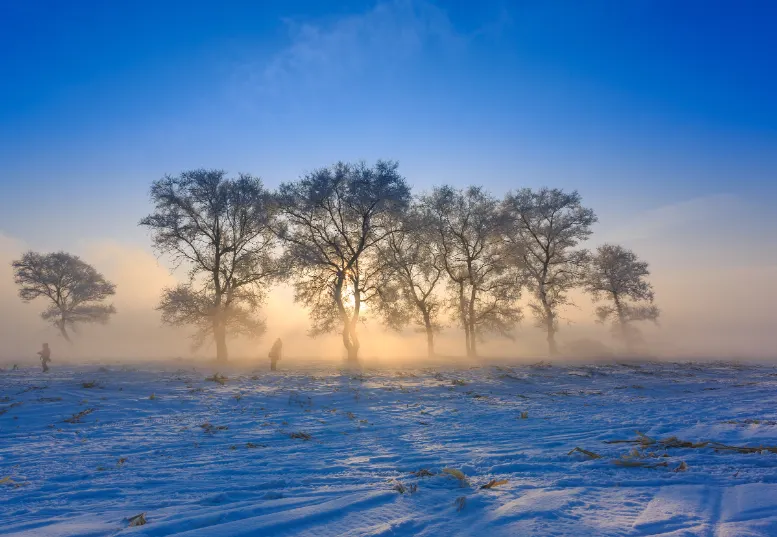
{"type": "Point", "coordinates": [716, 303]}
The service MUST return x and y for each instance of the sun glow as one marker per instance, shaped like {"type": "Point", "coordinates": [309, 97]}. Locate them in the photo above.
{"type": "Point", "coordinates": [349, 300]}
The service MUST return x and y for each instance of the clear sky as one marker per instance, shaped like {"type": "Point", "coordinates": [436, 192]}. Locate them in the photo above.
{"type": "Point", "coordinates": [663, 114]}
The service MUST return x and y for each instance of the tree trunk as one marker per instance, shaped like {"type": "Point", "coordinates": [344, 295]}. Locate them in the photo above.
{"type": "Point", "coordinates": [552, 347]}
{"type": "Point", "coordinates": [550, 321]}
{"type": "Point", "coordinates": [429, 336]}
{"type": "Point", "coordinates": [351, 343]}
{"type": "Point", "coordinates": [473, 345]}
{"type": "Point", "coordinates": [623, 325]}
{"type": "Point", "coordinates": [353, 353]}
{"type": "Point", "coordinates": [220, 335]}
{"type": "Point", "coordinates": [353, 356]}
{"type": "Point", "coordinates": [63, 330]}
{"type": "Point", "coordinates": [464, 317]}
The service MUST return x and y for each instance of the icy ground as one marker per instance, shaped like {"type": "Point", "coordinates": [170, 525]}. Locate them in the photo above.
{"type": "Point", "coordinates": [254, 470]}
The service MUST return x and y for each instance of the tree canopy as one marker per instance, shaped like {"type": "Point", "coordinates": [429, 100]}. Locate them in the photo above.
{"type": "Point", "coordinates": [545, 227]}
{"type": "Point", "coordinates": [616, 275]}
{"type": "Point", "coordinates": [333, 220]}
{"type": "Point", "coordinates": [413, 273]}
{"type": "Point", "coordinates": [74, 289]}
{"type": "Point", "coordinates": [220, 229]}
{"type": "Point", "coordinates": [483, 286]}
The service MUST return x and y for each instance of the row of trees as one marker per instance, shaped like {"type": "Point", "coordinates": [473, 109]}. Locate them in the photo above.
{"type": "Point", "coordinates": [351, 237]}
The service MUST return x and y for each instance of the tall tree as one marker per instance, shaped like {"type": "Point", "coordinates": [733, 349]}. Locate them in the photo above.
{"type": "Point", "coordinates": [334, 218]}
{"type": "Point", "coordinates": [545, 227]}
{"type": "Point", "coordinates": [484, 290]}
{"type": "Point", "coordinates": [221, 230]}
{"type": "Point", "coordinates": [413, 274]}
{"type": "Point", "coordinates": [75, 290]}
{"type": "Point", "coordinates": [616, 274]}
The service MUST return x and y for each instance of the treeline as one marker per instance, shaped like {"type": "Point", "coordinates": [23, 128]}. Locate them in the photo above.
{"type": "Point", "coordinates": [351, 235]}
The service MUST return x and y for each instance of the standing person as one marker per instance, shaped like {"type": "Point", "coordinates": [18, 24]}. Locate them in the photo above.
{"type": "Point", "coordinates": [275, 353]}
{"type": "Point", "coordinates": [45, 357]}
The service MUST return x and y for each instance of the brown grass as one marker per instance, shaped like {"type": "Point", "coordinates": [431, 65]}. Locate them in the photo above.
{"type": "Point", "coordinates": [585, 452]}
{"type": "Point", "coordinates": [494, 483]}
{"type": "Point", "coordinates": [76, 418]}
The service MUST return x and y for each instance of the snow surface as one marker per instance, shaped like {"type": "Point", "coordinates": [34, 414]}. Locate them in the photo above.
{"type": "Point", "coordinates": [368, 432]}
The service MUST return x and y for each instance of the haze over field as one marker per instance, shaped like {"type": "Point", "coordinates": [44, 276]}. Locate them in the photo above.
{"type": "Point", "coordinates": [302, 268]}
{"type": "Point", "coordinates": [735, 319]}
{"type": "Point", "coordinates": [674, 150]}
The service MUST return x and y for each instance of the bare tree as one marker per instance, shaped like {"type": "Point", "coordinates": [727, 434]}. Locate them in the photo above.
{"type": "Point", "coordinates": [74, 288]}
{"type": "Point", "coordinates": [414, 272]}
{"type": "Point", "coordinates": [616, 274]}
{"type": "Point", "coordinates": [220, 229]}
{"type": "Point", "coordinates": [484, 291]}
{"type": "Point", "coordinates": [545, 227]}
{"type": "Point", "coordinates": [333, 220]}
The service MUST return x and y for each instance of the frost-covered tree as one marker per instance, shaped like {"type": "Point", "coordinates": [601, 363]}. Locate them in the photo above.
{"type": "Point", "coordinates": [467, 227]}
{"type": "Point", "coordinates": [333, 220]}
{"type": "Point", "coordinates": [74, 289]}
{"type": "Point", "coordinates": [545, 228]}
{"type": "Point", "coordinates": [616, 275]}
{"type": "Point", "coordinates": [220, 230]}
{"type": "Point", "coordinates": [412, 277]}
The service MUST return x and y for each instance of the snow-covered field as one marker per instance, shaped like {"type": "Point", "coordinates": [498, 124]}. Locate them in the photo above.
{"type": "Point", "coordinates": [255, 471]}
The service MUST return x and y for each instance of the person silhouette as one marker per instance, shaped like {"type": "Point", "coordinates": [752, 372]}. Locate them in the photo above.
{"type": "Point", "coordinates": [45, 357]}
{"type": "Point", "coordinates": [275, 353]}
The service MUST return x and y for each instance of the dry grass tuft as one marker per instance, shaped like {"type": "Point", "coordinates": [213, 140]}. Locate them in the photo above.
{"type": "Point", "coordinates": [76, 418]}
{"type": "Point", "coordinates": [585, 452]}
{"type": "Point", "coordinates": [301, 435]}
{"type": "Point", "coordinates": [750, 421]}
{"type": "Point", "coordinates": [220, 379]}
{"type": "Point", "coordinates": [423, 472]}
{"type": "Point", "coordinates": [743, 449]}
{"type": "Point", "coordinates": [494, 483]}
{"type": "Point", "coordinates": [90, 384]}
{"type": "Point", "coordinates": [460, 503]}
{"type": "Point", "coordinates": [674, 442]}
{"type": "Point", "coordinates": [458, 474]}
{"type": "Point", "coordinates": [631, 463]}
{"type": "Point", "coordinates": [9, 407]}
{"type": "Point", "coordinates": [641, 439]}
{"type": "Point", "coordinates": [211, 429]}
{"type": "Point", "coordinates": [137, 520]}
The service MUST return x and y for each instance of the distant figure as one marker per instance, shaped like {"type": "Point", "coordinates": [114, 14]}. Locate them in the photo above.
{"type": "Point", "coordinates": [45, 357]}
{"type": "Point", "coordinates": [15, 368]}
{"type": "Point", "coordinates": [275, 353]}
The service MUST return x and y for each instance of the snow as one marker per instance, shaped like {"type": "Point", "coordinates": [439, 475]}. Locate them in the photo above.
{"type": "Point", "coordinates": [246, 474]}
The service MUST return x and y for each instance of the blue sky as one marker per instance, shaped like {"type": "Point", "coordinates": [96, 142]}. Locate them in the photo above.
{"type": "Point", "coordinates": [661, 113]}
{"type": "Point", "coordinates": [638, 104]}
